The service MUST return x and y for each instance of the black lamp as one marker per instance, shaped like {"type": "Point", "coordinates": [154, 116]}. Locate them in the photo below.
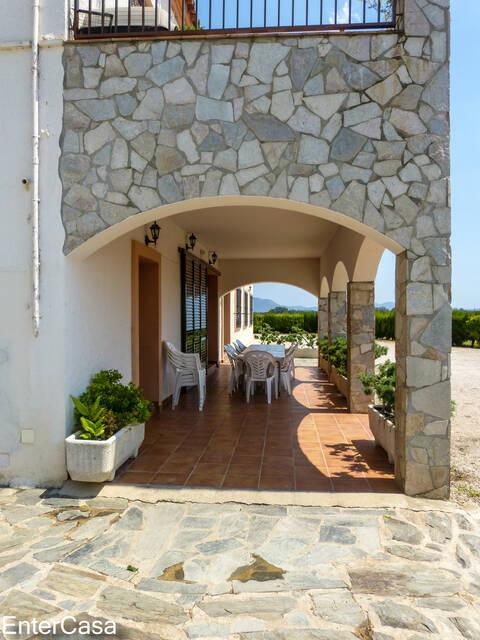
{"type": "Point", "coordinates": [192, 240]}
{"type": "Point", "coordinates": [155, 232]}
{"type": "Point", "coordinates": [213, 258]}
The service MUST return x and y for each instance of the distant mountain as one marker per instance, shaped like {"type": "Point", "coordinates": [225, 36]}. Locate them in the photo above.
{"type": "Point", "coordinates": [262, 305]}
{"type": "Point", "coordinates": [385, 305]}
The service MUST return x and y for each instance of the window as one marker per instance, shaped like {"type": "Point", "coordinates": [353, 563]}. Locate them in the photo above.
{"type": "Point", "coordinates": [194, 305]}
{"type": "Point", "coordinates": [245, 309]}
{"type": "Point", "coordinates": [238, 309]}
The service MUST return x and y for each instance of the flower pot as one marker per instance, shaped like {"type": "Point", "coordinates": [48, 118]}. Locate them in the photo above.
{"type": "Point", "coordinates": [383, 429]}
{"type": "Point", "coordinates": [339, 381]}
{"type": "Point", "coordinates": [98, 460]}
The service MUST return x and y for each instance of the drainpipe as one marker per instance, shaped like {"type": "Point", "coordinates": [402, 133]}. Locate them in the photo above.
{"type": "Point", "coordinates": [35, 173]}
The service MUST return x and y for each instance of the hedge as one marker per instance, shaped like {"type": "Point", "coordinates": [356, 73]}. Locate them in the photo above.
{"type": "Point", "coordinates": [284, 322]}
{"type": "Point", "coordinates": [463, 329]}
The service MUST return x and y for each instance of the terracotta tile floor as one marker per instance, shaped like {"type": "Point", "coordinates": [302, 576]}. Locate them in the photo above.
{"type": "Point", "coordinates": [305, 442]}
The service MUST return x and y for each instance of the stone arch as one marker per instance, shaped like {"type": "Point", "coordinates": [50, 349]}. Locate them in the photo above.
{"type": "Point", "coordinates": [137, 220]}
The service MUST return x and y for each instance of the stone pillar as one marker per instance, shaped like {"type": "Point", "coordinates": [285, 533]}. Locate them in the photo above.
{"type": "Point", "coordinates": [322, 321]}
{"type": "Point", "coordinates": [422, 402]}
{"type": "Point", "coordinates": [337, 315]}
{"type": "Point", "coordinates": [361, 341]}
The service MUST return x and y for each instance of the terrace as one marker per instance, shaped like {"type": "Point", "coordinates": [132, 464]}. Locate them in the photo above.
{"type": "Point", "coordinates": [163, 18]}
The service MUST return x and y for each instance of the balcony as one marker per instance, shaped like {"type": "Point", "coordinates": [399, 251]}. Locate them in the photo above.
{"type": "Point", "coordinates": [163, 18]}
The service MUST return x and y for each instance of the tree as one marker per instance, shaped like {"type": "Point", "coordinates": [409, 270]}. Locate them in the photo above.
{"type": "Point", "coordinates": [473, 328]}
{"type": "Point", "coordinates": [386, 8]}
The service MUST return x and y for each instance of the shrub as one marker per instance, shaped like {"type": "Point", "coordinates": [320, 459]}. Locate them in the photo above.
{"type": "Point", "coordinates": [459, 327]}
{"type": "Point", "coordinates": [120, 405]}
{"type": "Point", "coordinates": [385, 325]}
{"type": "Point", "coordinates": [380, 350]}
{"type": "Point", "coordinates": [337, 355]}
{"type": "Point", "coordinates": [267, 335]}
{"type": "Point", "coordinates": [382, 383]}
{"type": "Point", "coordinates": [473, 328]}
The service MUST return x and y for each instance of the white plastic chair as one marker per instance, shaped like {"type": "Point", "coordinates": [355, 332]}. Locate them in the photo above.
{"type": "Point", "coordinates": [260, 366]}
{"type": "Point", "coordinates": [237, 368]}
{"type": "Point", "coordinates": [287, 370]}
{"type": "Point", "coordinates": [292, 349]}
{"type": "Point", "coordinates": [240, 346]}
{"type": "Point", "coordinates": [188, 373]}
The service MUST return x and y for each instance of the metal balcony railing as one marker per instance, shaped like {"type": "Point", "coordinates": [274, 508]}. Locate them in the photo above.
{"type": "Point", "coordinates": [162, 18]}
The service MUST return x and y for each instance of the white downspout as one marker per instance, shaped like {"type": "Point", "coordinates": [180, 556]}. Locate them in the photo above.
{"type": "Point", "coordinates": [35, 172]}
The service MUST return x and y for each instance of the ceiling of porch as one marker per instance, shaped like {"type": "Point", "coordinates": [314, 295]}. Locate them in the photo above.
{"type": "Point", "coordinates": [254, 232]}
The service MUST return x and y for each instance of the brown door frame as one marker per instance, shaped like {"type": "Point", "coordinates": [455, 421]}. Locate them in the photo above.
{"type": "Point", "coordinates": [139, 251]}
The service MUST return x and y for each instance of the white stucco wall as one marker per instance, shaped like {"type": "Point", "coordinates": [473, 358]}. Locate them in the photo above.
{"type": "Point", "coordinates": [32, 385]}
{"type": "Point", "coordinates": [244, 334]}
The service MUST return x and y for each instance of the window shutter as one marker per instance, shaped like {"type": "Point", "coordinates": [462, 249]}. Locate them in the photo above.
{"type": "Point", "coordinates": [238, 311]}
{"type": "Point", "coordinates": [194, 285]}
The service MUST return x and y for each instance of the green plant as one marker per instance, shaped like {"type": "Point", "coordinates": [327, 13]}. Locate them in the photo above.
{"type": "Point", "coordinates": [337, 355]}
{"type": "Point", "coordinates": [380, 350]}
{"type": "Point", "coordinates": [91, 419]}
{"type": "Point", "coordinates": [453, 408]}
{"type": "Point", "coordinates": [121, 404]}
{"type": "Point", "coordinates": [382, 383]}
{"type": "Point", "coordinates": [470, 491]}
{"type": "Point", "coordinates": [132, 568]}
{"type": "Point", "coordinates": [473, 328]}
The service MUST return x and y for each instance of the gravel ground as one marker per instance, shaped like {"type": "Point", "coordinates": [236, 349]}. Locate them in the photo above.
{"type": "Point", "coordinates": [465, 424]}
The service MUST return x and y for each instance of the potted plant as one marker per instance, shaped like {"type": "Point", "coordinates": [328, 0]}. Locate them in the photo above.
{"type": "Point", "coordinates": [110, 419]}
{"type": "Point", "coordinates": [323, 355]}
{"type": "Point", "coordinates": [381, 415]}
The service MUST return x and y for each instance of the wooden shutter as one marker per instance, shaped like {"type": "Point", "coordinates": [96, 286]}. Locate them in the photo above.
{"type": "Point", "coordinates": [251, 309]}
{"type": "Point", "coordinates": [245, 308]}
{"type": "Point", "coordinates": [194, 305]}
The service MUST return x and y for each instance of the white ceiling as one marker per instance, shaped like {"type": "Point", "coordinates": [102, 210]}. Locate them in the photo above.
{"type": "Point", "coordinates": [254, 232]}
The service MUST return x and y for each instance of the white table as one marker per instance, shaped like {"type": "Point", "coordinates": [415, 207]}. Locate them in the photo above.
{"type": "Point", "coordinates": [275, 350]}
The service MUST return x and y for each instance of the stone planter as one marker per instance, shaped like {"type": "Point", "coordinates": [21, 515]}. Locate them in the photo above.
{"type": "Point", "coordinates": [339, 381]}
{"type": "Point", "coordinates": [98, 460]}
{"type": "Point", "coordinates": [383, 429]}
{"type": "Point", "coordinates": [324, 364]}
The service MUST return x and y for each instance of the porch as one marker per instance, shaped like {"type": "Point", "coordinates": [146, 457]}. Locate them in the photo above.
{"type": "Point", "coordinates": [303, 442]}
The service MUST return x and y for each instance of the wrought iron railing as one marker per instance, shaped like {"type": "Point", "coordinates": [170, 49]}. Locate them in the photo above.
{"type": "Point", "coordinates": [157, 18]}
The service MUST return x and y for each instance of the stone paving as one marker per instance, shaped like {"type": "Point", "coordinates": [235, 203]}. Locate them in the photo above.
{"type": "Point", "coordinates": [245, 572]}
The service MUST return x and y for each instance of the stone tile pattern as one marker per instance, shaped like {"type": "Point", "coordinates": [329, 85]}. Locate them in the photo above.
{"type": "Point", "coordinates": [361, 341]}
{"type": "Point", "coordinates": [353, 123]}
{"type": "Point", "coordinates": [337, 315]}
{"type": "Point", "coordinates": [347, 573]}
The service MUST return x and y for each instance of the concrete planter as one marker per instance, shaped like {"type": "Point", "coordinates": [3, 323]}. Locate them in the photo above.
{"type": "Point", "coordinates": [324, 364]}
{"type": "Point", "coordinates": [98, 460]}
{"type": "Point", "coordinates": [383, 429]}
{"type": "Point", "coordinates": [307, 352]}
{"type": "Point", "coordinates": [339, 381]}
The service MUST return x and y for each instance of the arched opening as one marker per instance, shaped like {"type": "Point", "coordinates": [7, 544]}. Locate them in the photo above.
{"type": "Point", "coordinates": [310, 441]}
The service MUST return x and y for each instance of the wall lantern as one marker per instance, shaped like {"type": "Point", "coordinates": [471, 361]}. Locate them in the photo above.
{"type": "Point", "coordinates": [213, 258]}
{"type": "Point", "coordinates": [191, 242]}
{"type": "Point", "coordinates": [155, 232]}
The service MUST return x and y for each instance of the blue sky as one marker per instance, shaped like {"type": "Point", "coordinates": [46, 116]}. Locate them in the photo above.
{"type": "Point", "coordinates": [465, 172]}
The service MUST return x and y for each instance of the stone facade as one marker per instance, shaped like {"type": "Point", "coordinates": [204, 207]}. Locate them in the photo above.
{"type": "Point", "coordinates": [361, 341]}
{"type": "Point", "coordinates": [357, 124]}
{"type": "Point", "coordinates": [337, 315]}
{"type": "Point", "coordinates": [354, 123]}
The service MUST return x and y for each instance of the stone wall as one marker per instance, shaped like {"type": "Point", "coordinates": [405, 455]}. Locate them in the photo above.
{"type": "Point", "coordinates": [337, 315]}
{"type": "Point", "coordinates": [354, 123]}
{"type": "Point", "coordinates": [361, 341]}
